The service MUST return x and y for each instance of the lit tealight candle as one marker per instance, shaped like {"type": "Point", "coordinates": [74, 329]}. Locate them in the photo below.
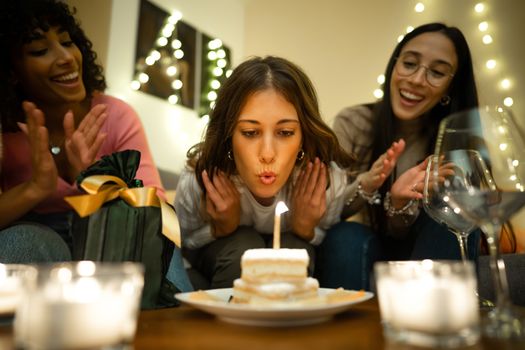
{"type": "Point", "coordinates": [79, 306]}
{"type": "Point", "coordinates": [279, 209]}
{"type": "Point", "coordinates": [428, 303]}
{"type": "Point", "coordinates": [10, 286]}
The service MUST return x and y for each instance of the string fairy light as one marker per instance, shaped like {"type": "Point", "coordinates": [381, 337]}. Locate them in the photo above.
{"type": "Point", "coordinates": [167, 61]}
{"type": "Point", "coordinates": [491, 64]}
{"type": "Point", "coordinates": [218, 68]}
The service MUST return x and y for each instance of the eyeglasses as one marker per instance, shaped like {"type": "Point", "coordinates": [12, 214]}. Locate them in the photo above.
{"type": "Point", "coordinates": [436, 74]}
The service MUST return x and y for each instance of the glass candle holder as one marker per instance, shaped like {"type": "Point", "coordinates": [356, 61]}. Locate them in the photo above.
{"type": "Point", "coordinates": [10, 286]}
{"type": "Point", "coordinates": [428, 303]}
{"type": "Point", "coordinates": [79, 305]}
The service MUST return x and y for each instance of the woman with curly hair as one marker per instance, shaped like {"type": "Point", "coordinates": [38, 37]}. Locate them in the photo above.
{"type": "Point", "coordinates": [56, 122]}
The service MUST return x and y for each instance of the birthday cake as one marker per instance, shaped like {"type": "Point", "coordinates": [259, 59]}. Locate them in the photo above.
{"type": "Point", "coordinates": [273, 276]}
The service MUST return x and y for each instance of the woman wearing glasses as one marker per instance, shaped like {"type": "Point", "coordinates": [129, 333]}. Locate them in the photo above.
{"type": "Point", "coordinates": [428, 77]}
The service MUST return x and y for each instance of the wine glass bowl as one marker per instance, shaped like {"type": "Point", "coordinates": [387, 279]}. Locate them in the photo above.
{"type": "Point", "coordinates": [442, 172]}
{"type": "Point", "coordinates": [479, 170]}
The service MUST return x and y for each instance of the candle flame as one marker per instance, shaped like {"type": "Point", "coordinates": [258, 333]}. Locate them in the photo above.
{"type": "Point", "coordinates": [280, 208]}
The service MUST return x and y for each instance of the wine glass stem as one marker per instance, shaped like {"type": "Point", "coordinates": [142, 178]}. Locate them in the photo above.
{"type": "Point", "coordinates": [462, 239]}
{"type": "Point", "coordinates": [497, 266]}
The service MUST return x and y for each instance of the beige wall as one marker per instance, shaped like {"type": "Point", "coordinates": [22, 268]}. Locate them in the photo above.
{"type": "Point", "coordinates": [95, 17]}
{"type": "Point", "coordinates": [344, 44]}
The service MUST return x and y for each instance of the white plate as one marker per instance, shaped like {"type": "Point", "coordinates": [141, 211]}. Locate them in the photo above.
{"type": "Point", "coordinates": [278, 316]}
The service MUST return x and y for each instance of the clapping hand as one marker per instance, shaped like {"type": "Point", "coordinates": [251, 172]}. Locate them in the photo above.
{"type": "Point", "coordinates": [45, 175]}
{"type": "Point", "coordinates": [223, 203]}
{"type": "Point", "coordinates": [83, 143]}
{"type": "Point", "coordinates": [373, 179]}
{"type": "Point", "coordinates": [409, 185]}
{"type": "Point", "coordinates": [309, 199]}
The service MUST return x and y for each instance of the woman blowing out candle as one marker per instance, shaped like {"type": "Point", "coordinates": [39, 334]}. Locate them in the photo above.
{"type": "Point", "coordinates": [265, 142]}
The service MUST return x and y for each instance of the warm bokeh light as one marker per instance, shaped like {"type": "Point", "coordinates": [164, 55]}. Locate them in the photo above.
{"type": "Point", "coordinates": [480, 7]}
{"type": "Point", "coordinates": [508, 101]}
{"type": "Point", "coordinates": [173, 99]}
{"type": "Point", "coordinates": [135, 85]}
{"type": "Point", "coordinates": [378, 93]}
{"type": "Point", "coordinates": [178, 54]}
{"type": "Point", "coordinates": [487, 39]}
{"type": "Point", "coordinates": [143, 77]}
{"type": "Point", "coordinates": [491, 64]}
{"type": "Point", "coordinates": [420, 7]}
{"type": "Point", "coordinates": [177, 84]}
{"type": "Point", "coordinates": [381, 79]}
{"type": "Point", "coordinates": [505, 83]}
{"type": "Point", "coordinates": [176, 44]}
{"type": "Point", "coordinates": [483, 26]}
{"type": "Point", "coordinates": [162, 41]}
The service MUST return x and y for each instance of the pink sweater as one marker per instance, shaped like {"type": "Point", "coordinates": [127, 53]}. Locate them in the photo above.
{"type": "Point", "coordinates": [124, 131]}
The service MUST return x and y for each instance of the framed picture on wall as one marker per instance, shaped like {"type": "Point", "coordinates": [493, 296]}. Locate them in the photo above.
{"type": "Point", "coordinates": [177, 62]}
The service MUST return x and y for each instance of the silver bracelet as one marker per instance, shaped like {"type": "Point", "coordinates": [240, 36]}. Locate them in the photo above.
{"type": "Point", "coordinates": [409, 209]}
{"type": "Point", "coordinates": [371, 198]}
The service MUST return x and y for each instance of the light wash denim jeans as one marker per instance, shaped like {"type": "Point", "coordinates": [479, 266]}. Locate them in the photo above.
{"type": "Point", "coordinates": [177, 272]}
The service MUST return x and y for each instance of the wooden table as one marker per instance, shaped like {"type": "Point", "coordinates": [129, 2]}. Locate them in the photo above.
{"type": "Point", "coordinates": [187, 328]}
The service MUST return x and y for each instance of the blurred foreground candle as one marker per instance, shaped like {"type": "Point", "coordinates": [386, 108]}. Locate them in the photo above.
{"type": "Point", "coordinates": [10, 289]}
{"type": "Point", "coordinates": [79, 305]}
{"type": "Point", "coordinates": [428, 303]}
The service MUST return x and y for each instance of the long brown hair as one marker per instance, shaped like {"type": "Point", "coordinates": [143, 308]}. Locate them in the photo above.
{"type": "Point", "coordinates": [257, 74]}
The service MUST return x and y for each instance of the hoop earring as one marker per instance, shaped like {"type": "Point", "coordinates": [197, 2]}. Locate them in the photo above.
{"type": "Point", "coordinates": [445, 100]}
{"type": "Point", "coordinates": [300, 155]}
{"type": "Point", "coordinates": [230, 155]}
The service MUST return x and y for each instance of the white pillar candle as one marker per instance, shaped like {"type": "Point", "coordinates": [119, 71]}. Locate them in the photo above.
{"type": "Point", "coordinates": [436, 300]}
{"type": "Point", "coordinates": [10, 286]}
{"type": "Point", "coordinates": [9, 294]}
{"type": "Point", "coordinates": [433, 304]}
{"type": "Point", "coordinates": [279, 209]}
{"type": "Point", "coordinates": [88, 306]}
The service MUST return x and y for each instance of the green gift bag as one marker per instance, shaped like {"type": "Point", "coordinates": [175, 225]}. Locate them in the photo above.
{"type": "Point", "coordinates": [119, 220]}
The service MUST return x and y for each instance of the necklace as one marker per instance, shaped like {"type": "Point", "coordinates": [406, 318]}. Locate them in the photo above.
{"type": "Point", "coordinates": [55, 148]}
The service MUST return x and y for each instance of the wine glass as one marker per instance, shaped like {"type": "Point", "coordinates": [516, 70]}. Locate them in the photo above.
{"type": "Point", "coordinates": [493, 189]}
{"type": "Point", "coordinates": [439, 169]}
{"type": "Point", "coordinates": [443, 170]}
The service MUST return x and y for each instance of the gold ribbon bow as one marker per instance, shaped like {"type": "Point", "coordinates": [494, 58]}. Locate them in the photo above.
{"type": "Point", "coordinates": [104, 188]}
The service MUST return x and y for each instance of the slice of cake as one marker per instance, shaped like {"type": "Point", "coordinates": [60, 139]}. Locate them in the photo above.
{"type": "Point", "coordinates": [273, 276]}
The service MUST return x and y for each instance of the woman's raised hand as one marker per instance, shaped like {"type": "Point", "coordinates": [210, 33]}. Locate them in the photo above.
{"type": "Point", "coordinates": [409, 185]}
{"type": "Point", "coordinates": [374, 178]}
{"type": "Point", "coordinates": [223, 203]}
{"type": "Point", "coordinates": [83, 143]}
{"type": "Point", "coordinates": [309, 199]}
{"type": "Point", "coordinates": [45, 175]}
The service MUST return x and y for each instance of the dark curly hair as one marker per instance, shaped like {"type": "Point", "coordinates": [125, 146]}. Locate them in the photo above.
{"type": "Point", "coordinates": [18, 21]}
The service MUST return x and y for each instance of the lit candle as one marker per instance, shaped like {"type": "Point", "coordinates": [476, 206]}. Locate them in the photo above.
{"type": "Point", "coordinates": [10, 286]}
{"type": "Point", "coordinates": [428, 298]}
{"type": "Point", "coordinates": [80, 308]}
{"type": "Point", "coordinates": [9, 294]}
{"type": "Point", "coordinates": [279, 209]}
